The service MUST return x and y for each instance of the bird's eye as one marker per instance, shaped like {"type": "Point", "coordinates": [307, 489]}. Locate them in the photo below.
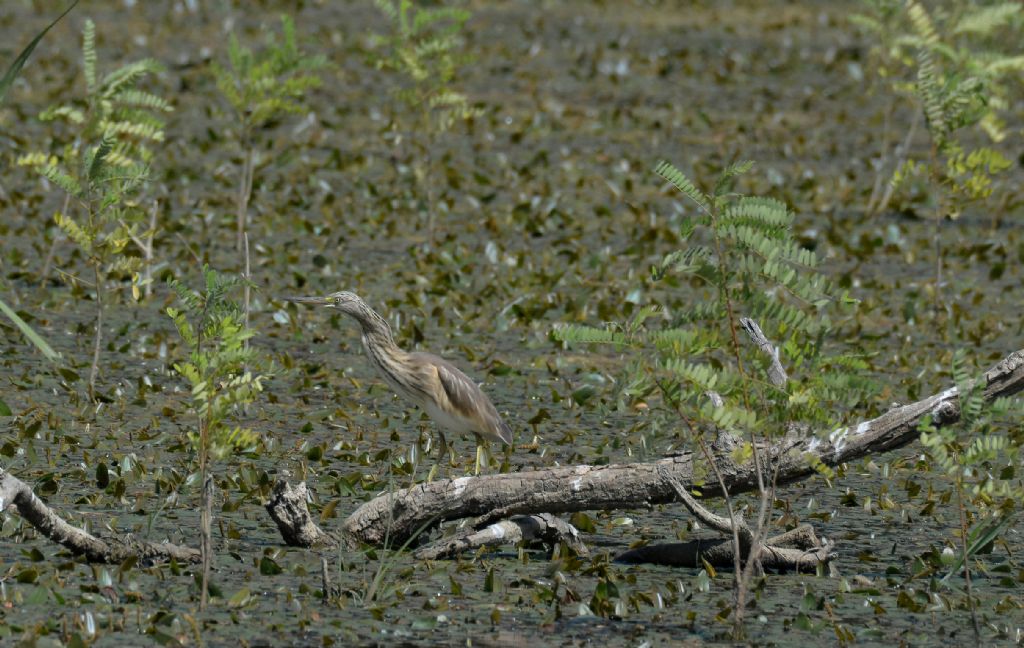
{"type": "Point", "coordinates": [337, 301]}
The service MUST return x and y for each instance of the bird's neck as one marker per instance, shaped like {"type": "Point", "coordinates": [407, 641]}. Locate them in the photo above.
{"type": "Point", "coordinates": [381, 338]}
{"type": "Point", "coordinates": [377, 333]}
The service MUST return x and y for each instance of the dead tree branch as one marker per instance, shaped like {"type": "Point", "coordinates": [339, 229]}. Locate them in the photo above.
{"type": "Point", "coordinates": [781, 553]}
{"type": "Point", "coordinates": [797, 550]}
{"type": "Point", "coordinates": [17, 495]}
{"type": "Point", "coordinates": [776, 372]}
{"type": "Point", "coordinates": [544, 528]}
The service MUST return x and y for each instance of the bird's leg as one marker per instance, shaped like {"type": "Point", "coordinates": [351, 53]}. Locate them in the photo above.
{"type": "Point", "coordinates": [426, 441]}
{"type": "Point", "coordinates": [442, 447]}
{"type": "Point", "coordinates": [483, 455]}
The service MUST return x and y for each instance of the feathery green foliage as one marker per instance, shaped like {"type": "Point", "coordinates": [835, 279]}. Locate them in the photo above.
{"type": "Point", "coordinates": [263, 86]}
{"type": "Point", "coordinates": [266, 84]}
{"type": "Point", "coordinates": [751, 266]}
{"type": "Point", "coordinates": [949, 61]}
{"type": "Point", "coordinates": [949, 58]}
{"type": "Point", "coordinates": [210, 323]}
{"type": "Point", "coordinates": [103, 170]}
{"type": "Point", "coordinates": [424, 46]}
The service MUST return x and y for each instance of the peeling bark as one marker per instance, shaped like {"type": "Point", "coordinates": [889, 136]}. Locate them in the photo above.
{"type": "Point", "coordinates": [567, 489]}
{"type": "Point", "coordinates": [16, 494]}
{"type": "Point", "coordinates": [287, 507]}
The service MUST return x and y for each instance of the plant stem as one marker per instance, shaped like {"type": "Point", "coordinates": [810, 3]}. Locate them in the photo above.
{"type": "Point", "coordinates": [148, 250]}
{"type": "Point", "coordinates": [967, 566]}
{"type": "Point", "coordinates": [737, 550]}
{"type": "Point", "coordinates": [206, 512]}
{"type": "Point", "coordinates": [206, 531]}
{"type": "Point", "coordinates": [246, 284]}
{"type": "Point", "coordinates": [742, 577]}
{"type": "Point", "coordinates": [244, 192]}
{"type": "Point", "coordinates": [937, 221]}
{"type": "Point", "coordinates": [98, 337]}
{"type": "Point", "coordinates": [901, 153]}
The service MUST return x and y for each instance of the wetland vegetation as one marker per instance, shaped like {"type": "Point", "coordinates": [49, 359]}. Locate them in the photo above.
{"type": "Point", "coordinates": [591, 207]}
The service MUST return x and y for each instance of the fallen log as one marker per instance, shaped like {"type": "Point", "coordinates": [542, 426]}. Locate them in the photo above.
{"type": "Point", "coordinates": [566, 489]}
{"type": "Point", "coordinates": [18, 496]}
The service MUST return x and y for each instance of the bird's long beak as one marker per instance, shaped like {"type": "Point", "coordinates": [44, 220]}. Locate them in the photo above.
{"type": "Point", "coordinates": [314, 301]}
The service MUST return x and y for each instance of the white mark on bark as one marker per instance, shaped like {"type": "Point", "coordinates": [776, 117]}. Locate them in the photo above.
{"type": "Point", "coordinates": [576, 485]}
{"type": "Point", "coordinates": [459, 485]}
{"type": "Point", "coordinates": [862, 428]}
{"type": "Point", "coordinates": [941, 401]}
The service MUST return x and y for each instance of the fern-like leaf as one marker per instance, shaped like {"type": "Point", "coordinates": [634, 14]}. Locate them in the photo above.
{"type": "Point", "coordinates": [679, 180]}
{"type": "Point", "coordinates": [575, 333]}
{"type": "Point", "coordinates": [89, 55]}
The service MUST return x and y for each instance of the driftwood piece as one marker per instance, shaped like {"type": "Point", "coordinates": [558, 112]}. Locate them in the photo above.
{"type": "Point", "coordinates": [796, 550]}
{"type": "Point", "coordinates": [543, 527]}
{"type": "Point", "coordinates": [616, 486]}
{"type": "Point", "coordinates": [781, 553]}
{"type": "Point", "coordinates": [287, 507]}
{"type": "Point", "coordinates": [17, 495]}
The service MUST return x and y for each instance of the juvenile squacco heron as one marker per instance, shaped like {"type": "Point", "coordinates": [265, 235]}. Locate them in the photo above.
{"type": "Point", "coordinates": [450, 397]}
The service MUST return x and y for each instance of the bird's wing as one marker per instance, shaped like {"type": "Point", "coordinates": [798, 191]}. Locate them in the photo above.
{"type": "Point", "coordinates": [468, 400]}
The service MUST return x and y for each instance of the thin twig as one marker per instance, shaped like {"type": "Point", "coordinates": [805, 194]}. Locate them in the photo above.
{"type": "Point", "coordinates": [48, 262]}
{"type": "Point", "coordinates": [246, 287]}
{"type": "Point", "coordinates": [967, 566]}
{"type": "Point", "coordinates": [98, 337]}
{"type": "Point", "coordinates": [884, 149]}
{"type": "Point", "coordinates": [902, 152]}
{"type": "Point", "coordinates": [244, 192]}
{"type": "Point", "coordinates": [188, 246]}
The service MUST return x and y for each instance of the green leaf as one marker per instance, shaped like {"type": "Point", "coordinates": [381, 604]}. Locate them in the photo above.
{"type": "Point", "coordinates": [679, 180]}
{"type": "Point", "coordinates": [28, 332]}
{"type": "Point", "coordinates": [15, 67]}
{"type": "Point", "coordinates": [240, 599]}
{"type": "Point", "coordinates": [268, 567]}
{"type": "Point", "coordinates": [5, 409]}
{"type": "Point", "coordinates": [980, 536]}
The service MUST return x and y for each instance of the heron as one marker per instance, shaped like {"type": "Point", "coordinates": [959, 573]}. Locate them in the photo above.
{"type": "Point", "coordinates": [448, 396]}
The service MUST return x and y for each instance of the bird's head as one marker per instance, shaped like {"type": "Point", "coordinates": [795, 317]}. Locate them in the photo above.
{"type": "Point", "coordinates": [348, 303]}
{"type": "Point", "coordinates": [345, 301]}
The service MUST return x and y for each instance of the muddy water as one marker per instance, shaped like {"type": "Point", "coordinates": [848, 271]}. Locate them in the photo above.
{"type": "Point", "coordinates": [550, 215]}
